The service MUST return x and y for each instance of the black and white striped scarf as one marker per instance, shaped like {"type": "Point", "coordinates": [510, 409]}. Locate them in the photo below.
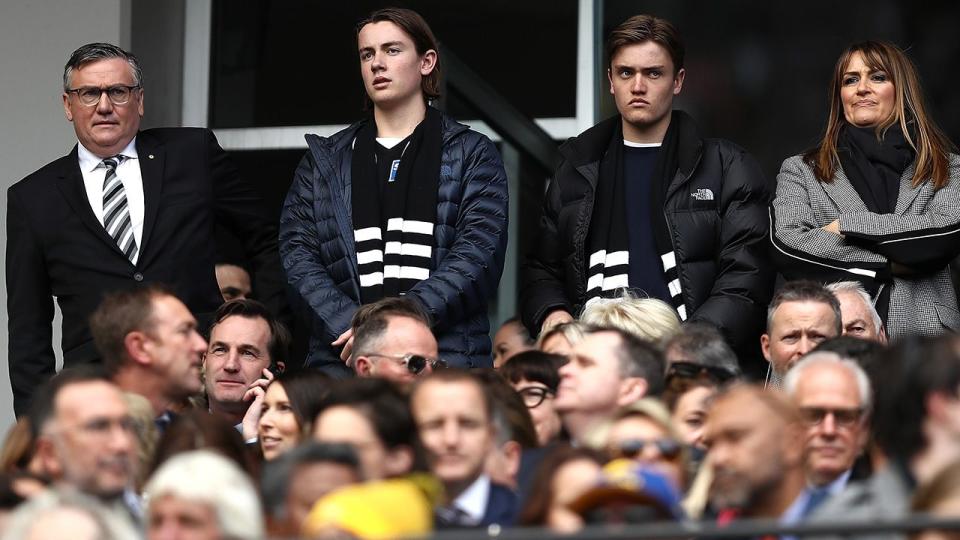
{"type": "Point", "coordinates": [607, 245]}
{"type": "Point", "coordinates": [393, 220]}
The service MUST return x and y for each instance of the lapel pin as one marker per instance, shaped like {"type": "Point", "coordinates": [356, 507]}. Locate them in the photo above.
{"type": "Point", "coordinates": [150, 156]}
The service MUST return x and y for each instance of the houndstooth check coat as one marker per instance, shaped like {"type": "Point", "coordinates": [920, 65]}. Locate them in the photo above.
{"type": "Point", "coordinates": [908, 250]}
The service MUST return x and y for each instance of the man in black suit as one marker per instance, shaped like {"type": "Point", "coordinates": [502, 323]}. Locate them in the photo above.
{"type": "Point", "coordinates": [123, 208]}
{"type": "Point", "coordinates": [455, 419]}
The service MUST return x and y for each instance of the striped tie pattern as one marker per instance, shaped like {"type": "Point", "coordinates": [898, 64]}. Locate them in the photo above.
{"type": "Point", "coordinates": [116, 213]}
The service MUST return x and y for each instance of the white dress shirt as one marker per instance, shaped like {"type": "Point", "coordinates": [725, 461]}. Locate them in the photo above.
{"type": "Point", "coordinates": [129, 173]}
{"type": "Point", "coordinates": [473, 500]}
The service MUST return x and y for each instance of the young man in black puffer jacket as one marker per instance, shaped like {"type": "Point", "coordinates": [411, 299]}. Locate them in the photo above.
{"type": "Point", "coordinates": [642, 201]}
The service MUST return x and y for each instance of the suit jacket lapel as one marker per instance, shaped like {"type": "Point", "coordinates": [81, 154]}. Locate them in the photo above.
{"type": "Point", "coordinates": [151, 158]}
{"type": "Point", "coordinates": [843, 194]}
{"type": "Point", "coordinates": [73, 190]}
{"type": "Point", "coordinates": [907, 191]}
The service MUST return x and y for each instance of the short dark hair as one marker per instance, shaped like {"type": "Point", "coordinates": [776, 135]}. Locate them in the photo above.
{"type": "Point", "coordinates": [861, 351]}
{"type": "Point", "coordinates": [305, 389]}
{"type": "Point", "coordinates": [511, 416]}
{"type": "Point", "coordinates": [275, 480]}
{"type": "Point", "coordinates": [198, 429]}
{"type": "Point", "coordinates": [381, 403]}
{"type": "Point", "coordinates": [534, 366]}
{"type": "Point", "coordinates": [414, 25]}
{"type": "Point", "coordinates": [804, 290]}
{"type": "Point", "coordinates": [43, 406]}
{"type": "Point", "coordinates": [703, 344]}
{"type": "Point", "coordinates": [637, 358]}
{"type": "Point", "coordinates": [120, 313]}
{"type": "Point", "coordinates": [542, 489]}
{"type": "Point", "coordinates": [370, 322]}
{"type": "Point", "coordinates": [92, 52]}
{"type": "Point", "coordinates": [521, 330]}
{"type": "Point", "coordinates": [903, 377]}
{"type": "Point", "coordinates": [454, 375]}
{"type": "Point", "coordinates": [643, 28]}
{"type": "Point", "coordinates": [279, 345]}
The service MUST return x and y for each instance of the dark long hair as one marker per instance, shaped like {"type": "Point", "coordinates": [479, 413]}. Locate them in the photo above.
{"type": "Point", "coordinates": [412, 24]}
{"type": "Point", "coordinates": [306, 388]}
{"type": "Point", "coordinates": [537, 507]}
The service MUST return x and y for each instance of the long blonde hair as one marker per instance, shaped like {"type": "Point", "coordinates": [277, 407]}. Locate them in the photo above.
{"type": "Point", "coordinates": [910, 111]}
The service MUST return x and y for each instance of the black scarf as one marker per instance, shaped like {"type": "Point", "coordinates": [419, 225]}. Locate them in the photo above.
{"type": "Point", "coordinates": [393, 221]}
{"type": "Point", "coordinates": [608, 224]}
{"type": "Point", "coordinates": [874, 167]}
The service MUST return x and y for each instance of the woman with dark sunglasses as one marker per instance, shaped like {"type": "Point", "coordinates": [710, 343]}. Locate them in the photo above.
{"type": "Point", "coordinates": [643, 432]}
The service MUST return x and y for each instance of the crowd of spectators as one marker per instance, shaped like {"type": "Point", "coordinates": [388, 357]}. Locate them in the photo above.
{"type": "Point", "coordinates": [631, 388]}
{"type": "Point", "coordinates": [638, 419]}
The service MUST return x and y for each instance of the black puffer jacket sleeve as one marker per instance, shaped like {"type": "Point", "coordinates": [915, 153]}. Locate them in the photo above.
{"type": "Point", "coordinates": [544, 271]}
{"type": "Point", "coordinates": [744, 283]}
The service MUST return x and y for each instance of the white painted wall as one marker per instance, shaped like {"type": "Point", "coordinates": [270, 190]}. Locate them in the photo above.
{"type": "Point", "coordinates": [37, 37]}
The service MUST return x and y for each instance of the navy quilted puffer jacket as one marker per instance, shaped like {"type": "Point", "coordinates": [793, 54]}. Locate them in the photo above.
{"type": "Point", "coordinates": [320, 259]}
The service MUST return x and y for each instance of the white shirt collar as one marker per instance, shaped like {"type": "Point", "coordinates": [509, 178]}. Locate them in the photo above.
{"type": "Point", "coordinates": [632, 144]}
{"type": "Point", "coordinates": [89, 161]}
{"type": "Point", "coordinates": [473, 500]}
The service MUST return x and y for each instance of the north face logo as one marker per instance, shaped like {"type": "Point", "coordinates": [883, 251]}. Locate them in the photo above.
{"type": "Point", "coordinates": [702, 194]}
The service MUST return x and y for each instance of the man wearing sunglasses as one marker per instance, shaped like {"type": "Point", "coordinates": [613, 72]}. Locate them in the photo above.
{"type": "Point", "coordinates": [834, 396]}
{"type": "Point", "coordinates": [392, 339]}
{"type": "Point", "coordinates": [125, 207]}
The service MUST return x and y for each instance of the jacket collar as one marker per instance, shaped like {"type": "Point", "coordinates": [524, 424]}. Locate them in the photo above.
{"type": "Point", "coordinates": [340, 141]}
{"type": "Point", "coordinates": [842, 193]}
{"type": "Point", "coordinates": [152, 156]}
{"type": "Point", "coordinates": [150, 159]}
{"type": "Point", "coordinates": [332, 157]}
{"type": "Point", "coordinates": [591, 145]}
{"type": "Point", "coordinates": [70, 184]}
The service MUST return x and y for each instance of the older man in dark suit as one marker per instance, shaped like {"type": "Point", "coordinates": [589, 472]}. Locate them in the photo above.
{"type": "Point", "coordinates": [123, 208]}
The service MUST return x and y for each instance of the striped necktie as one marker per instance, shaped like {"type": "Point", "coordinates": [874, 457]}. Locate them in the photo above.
{"type": "Point", "coordinates": [116, 213]}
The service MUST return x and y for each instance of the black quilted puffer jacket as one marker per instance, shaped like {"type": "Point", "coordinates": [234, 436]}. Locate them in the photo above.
{"type": "Point", "coordinates": [716, 212]}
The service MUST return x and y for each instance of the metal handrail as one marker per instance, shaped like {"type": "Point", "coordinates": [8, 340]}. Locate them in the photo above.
{"type": "Point", "coordinates": [494, 109]}
{"type": "Point", "coordinates": [736, 529]}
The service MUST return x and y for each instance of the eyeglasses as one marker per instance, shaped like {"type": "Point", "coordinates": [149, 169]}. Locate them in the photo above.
{"type": "Point", "coordinates": [414, 363]}
{"type": "Point", "coordinates": [533, 396]}
{"type": "Point", "coordinates": [90, 95]}
{"type": "Point", "coordinates": [814, 416]}
{"type": "Point", "coordinates": [692, 370]}
{"type": "Point", "coordinates": [633, 448]}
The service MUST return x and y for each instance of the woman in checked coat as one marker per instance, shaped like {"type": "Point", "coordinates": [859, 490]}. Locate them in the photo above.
{"type": "Point", "coordinates": [878, 199]}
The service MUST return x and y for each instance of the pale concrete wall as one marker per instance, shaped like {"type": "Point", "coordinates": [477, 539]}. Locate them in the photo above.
{"type": "Point", "coordinates": [36, 38]}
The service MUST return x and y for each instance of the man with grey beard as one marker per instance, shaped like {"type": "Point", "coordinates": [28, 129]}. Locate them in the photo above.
{"type": "Point", "coordinates": [755, 445]}
{"type": "Point", "coordinates": [85, 438]}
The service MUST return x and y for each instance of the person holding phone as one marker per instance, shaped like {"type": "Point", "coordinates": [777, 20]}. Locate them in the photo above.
{"type": "Point", "coordinates": [248, 348]}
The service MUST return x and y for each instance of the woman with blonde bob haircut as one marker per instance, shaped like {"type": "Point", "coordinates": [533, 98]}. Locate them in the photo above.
{"type": "Point", "coordinates": [877, 200]}
{"type": "Point", "coordinates": [649, 319]}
